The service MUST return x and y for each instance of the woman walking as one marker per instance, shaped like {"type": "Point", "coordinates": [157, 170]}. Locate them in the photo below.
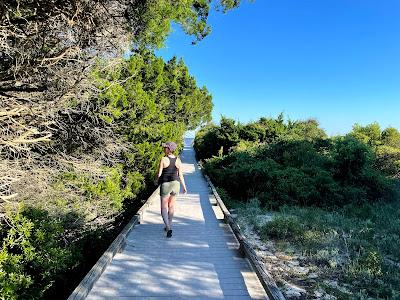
{"type": "Point", "coordinates": [169, 175]}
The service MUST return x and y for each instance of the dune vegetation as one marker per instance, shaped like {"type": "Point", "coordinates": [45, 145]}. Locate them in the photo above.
{"type": "Point", "coordinates": [330, 204]}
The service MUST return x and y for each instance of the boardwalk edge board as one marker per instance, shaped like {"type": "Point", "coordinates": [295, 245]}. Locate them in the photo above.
{"type": "Point", "coordinates": [266, 279]}
{"type": "Point", "coordinates": [84, 287]}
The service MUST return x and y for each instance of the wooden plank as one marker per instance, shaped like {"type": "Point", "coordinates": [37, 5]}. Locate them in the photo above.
{"type": "Point", "coordinates": [266, 279]}
{"type": "Point", "coordinates": [84, 287]}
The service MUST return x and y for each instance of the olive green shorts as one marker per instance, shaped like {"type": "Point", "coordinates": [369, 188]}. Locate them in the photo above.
{"type": "Point", "coordinates": [170, 188]}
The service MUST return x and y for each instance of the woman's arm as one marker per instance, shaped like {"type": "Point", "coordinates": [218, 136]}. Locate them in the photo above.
{"type": "Point", "coordinates": [160, 168]}
{"type": "Point", "coordinates": [179, 167]}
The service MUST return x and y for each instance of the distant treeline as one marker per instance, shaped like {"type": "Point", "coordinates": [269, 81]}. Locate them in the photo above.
{"type": "Point", "coordinates": [296, 163]}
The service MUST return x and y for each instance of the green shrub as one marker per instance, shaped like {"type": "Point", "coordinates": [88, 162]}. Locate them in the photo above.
{"type": "Point", "coordinates": [116, 186]}
{"type": "Point", "coordinates": [228, 201]}
{"type": "Point", "coordinates": [352, 159]}
{"type": "Point", "coordinates": [307, 173]}
{"type": "Point", "coordinates": [385, 143]}
{"type": "Point", "coordinates": [367, 269]}
{"type": "Point", "coordinates": [32, 254]}
{"type": "Point", "coordinates": [282, 227]}
{"type": "Point", "coordinates": [212, 138]}
{"type": "Point", "coordinates": [388, 160]}
{"type": "Point", "coordinates": [295, 163]}
{"type": "Point", "coordinates": [207, 142]}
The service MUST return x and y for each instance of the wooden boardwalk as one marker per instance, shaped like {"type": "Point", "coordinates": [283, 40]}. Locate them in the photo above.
{"type": "Point", "coordinates": [200, 261]}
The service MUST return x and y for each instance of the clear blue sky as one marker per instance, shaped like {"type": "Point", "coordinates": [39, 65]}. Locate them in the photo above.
{"type": "Point", "coordinates": [334, 60]}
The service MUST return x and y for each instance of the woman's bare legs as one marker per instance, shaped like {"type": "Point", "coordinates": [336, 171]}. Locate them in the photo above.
{"type": "Point", "coordinates": [171, 209]}
{"type": "Point", "coordinates": [164, 211]}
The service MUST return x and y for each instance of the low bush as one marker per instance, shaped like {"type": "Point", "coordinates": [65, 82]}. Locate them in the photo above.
{"type": "Point", "coordinates": [304, 173]}
{"type": "Point", "coordinates": [385, 143]}
{"type": "Point", "coordinates": [282, 227]}
{"type": "Point", "coordinates": [33, 254]}
{"type": "Point", "coordinates": [212, 140]}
